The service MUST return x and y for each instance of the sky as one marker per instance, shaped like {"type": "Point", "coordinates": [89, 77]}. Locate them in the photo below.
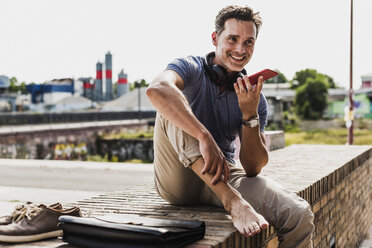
{"type": "Point", "coordinates": [42, 40]}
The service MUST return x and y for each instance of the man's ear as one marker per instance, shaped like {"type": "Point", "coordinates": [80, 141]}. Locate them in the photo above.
{"type": "Point", "coordinates": [214, 38]}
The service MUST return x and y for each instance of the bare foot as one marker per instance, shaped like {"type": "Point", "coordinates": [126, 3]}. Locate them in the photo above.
{"type": "Point", "coordinates": [245, 219]}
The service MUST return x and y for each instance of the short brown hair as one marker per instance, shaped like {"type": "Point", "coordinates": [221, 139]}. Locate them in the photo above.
{"type": "Point", "coordinates": [241, 13]}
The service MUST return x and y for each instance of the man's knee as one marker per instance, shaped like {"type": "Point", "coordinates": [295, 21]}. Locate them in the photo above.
{"type": "Point", "coordinates": [306, 217]}
{"type": "Point", "coordinates": [299, 222]}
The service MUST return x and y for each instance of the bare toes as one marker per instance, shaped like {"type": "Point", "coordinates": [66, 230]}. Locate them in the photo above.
{"type": "Point", "coordinates": [263, 224]}
{"type": "Point", "coordinates": [248, 231]}
{"type": "Point", "coordinates": [241, 231]}
{"type": "Point", "coordinates": [257, 228]}
{"type": "Point", "coordinates": [252, 230]}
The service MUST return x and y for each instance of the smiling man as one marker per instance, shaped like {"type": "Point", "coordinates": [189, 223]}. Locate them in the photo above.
{"type": "Point", "coordinates": [204, 103]}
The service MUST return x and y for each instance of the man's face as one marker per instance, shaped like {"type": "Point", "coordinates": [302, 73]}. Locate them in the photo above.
{"type": "Point", "coordinates": [235, 44]}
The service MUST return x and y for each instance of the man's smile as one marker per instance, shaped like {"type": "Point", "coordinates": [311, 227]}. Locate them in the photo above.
{"type": "Point", "coordinates": [239, 58]}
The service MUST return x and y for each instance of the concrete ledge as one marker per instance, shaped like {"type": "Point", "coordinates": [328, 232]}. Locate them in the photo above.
{"type": "Point", "coordinates": [308, 170]}
{"type": "Point", "coordinates": [274, 140]}
{"type": "Point", "coordinates": [312, 171]}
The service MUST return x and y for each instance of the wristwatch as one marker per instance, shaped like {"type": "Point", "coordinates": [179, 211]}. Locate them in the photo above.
{"type": "Point", "coordinates": [254, 121]}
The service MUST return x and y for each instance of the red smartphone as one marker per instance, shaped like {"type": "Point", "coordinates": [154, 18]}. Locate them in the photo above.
{"type": "Point", "coordinates": [267, 74]}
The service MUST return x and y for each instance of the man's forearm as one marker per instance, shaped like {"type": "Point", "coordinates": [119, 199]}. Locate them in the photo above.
{"type": "Point", "coordinates": [169, 101]}
{"type": "Point", "coordinates": [253, 153]}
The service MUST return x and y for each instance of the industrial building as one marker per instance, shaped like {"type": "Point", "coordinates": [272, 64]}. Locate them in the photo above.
{"type": "Point", "coordinates": [51, 91]}
{"type": "Point", "coordinates": [98, 89]}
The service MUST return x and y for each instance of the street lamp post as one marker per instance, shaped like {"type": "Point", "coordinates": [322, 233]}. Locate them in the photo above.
{"type": "Point", "coordinates": [138, 85]}
{"type": "Point", "coordinates": [351, 102]}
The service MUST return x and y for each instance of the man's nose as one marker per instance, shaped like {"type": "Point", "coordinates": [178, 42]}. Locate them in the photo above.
{"type": "Point", "coordinates": [240, 48]}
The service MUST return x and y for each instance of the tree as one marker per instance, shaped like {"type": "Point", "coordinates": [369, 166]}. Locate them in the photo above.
{"type": "Point", "coordinates": [136, 84]}
{"type": "Point", "coordinates": [311, 98]}
{"type": "Point", "coordinates": [278, 79]}
{"type": "Point", "coordinates": [23, 88]}
{"type": "Point", "coordinates": [301, 77]}
{"type": "Point", "coordinates": [15, 86]}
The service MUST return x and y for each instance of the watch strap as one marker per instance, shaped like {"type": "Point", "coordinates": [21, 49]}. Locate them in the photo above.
{"type": "Point", "coordinates": [251, 122]}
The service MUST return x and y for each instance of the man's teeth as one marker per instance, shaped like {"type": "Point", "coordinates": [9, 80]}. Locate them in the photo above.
{"type": "Point", "coordinates": [238, 58]}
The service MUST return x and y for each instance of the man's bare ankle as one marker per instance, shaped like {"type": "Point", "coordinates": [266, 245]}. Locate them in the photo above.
{"type": "Point", "coordinates": [230, 199]}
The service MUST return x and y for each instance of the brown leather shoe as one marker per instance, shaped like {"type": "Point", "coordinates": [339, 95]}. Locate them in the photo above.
{"type": "Point", "coordinates": [19, 210]}
{"type": "Point", "coordinates": [39, 222]}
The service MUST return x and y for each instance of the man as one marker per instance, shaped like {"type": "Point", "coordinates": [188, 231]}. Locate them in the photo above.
{"type": "Point", "coordinates": [203, 105]}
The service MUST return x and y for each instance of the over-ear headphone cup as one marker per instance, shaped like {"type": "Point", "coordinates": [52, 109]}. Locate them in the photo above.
{"type": "Point", "coordinates": [221, 74]}
{"type": "Point", "coordinates": [218, 73]}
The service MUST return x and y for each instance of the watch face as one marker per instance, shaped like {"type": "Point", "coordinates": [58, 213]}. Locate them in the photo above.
{"type": "Point", "coordinates": [254, 123]}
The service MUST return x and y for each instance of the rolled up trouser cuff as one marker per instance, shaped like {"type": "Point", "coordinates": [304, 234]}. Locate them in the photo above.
{"type": "Point", "coordinates": [186, 146]}
{"type": "Point", "coordinates": [188, 157]}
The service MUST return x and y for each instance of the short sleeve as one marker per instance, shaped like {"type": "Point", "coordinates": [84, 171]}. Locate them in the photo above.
{"type": "Point", "coordinates": [263, 112]}
{"type": "Point", "coordinates": [190, 70]}
{"type": "Point", "coordinates": [182, 67]}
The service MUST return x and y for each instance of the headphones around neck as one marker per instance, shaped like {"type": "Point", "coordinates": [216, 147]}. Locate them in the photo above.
{"type": "Point", "coordinates": [218, 73]}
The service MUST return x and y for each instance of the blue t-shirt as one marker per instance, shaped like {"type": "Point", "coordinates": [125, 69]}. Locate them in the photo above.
{"type": "Point", "coordinates": [218, 112]}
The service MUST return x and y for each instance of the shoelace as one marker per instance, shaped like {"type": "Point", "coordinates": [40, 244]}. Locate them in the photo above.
{"type": "Point", "coordinates": [22, 211]}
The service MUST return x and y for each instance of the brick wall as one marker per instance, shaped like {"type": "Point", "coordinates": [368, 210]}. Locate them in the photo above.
{"type": "Point", "coordinates": [59, 141]}
{"type": "Point", "coordinates": [337, 183]}
{"type": "Point", "coordinates": [343, 209]}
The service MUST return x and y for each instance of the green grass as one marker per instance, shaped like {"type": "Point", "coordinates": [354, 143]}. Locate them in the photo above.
{"type": "Point", "coordinates": [129, 135]}
{"type": "Point", "coordinates": [334, 136]}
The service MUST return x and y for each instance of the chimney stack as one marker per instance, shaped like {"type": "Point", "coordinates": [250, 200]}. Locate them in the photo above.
{"type": "Point", "coordinates": [88, 88]}
{"type": "Point", "coordinates": [108, 76]}
{"type": "Point", "coordinates": [98, 83]}
{"type": "Point", "coordinates": [122, 87]}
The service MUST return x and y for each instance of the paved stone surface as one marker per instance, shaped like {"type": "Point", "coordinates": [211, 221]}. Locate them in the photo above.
{"type": "Point", "coordinates": [73, 175]}
{"type": "Point", "coordinates": [11, 196]}
{"type": "Point", "coordinates": [299, 166]}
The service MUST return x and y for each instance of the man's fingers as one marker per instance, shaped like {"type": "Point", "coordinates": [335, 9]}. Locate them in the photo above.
{"type": "Point", "coordinates": [247, 83]}
{"type": "Point", "coordinates": [218, 175]}
{"type": "Point", "coordinates": [206, 167]}
{"type": "Point", "coordinates": [236, 87]}
{"type": "Point", "coordinates": [213, 168]}
{"type": "Point", "coordinates": [241, 85]}
{"type": "Point", "coordinates": [259, 85]}
{"type": "Point", "coordinates": [226, 171]}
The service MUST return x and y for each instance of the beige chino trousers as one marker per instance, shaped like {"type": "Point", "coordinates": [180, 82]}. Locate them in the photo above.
{"type": "Point", "coordinates": [176, 183]}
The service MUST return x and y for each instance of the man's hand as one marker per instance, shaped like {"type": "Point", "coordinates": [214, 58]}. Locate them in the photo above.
{"type": "Point", "coordinates": [253, 153]}
{"type": "Point", "coordinates": [214, 160]}
{"type": "Point", "coordinates": [248, 96]}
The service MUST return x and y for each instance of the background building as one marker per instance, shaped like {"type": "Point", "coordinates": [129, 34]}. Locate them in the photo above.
{"type": "Point", "coordinates": [52, 91]}
{"type": "Point", "coordinates": [122, 87]}
{"type": "Point", "coordinates": [367, 81]}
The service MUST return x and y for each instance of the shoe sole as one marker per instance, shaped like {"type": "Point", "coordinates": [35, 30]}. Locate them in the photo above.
{"type": "Point", "coordinates": [30, 238]}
